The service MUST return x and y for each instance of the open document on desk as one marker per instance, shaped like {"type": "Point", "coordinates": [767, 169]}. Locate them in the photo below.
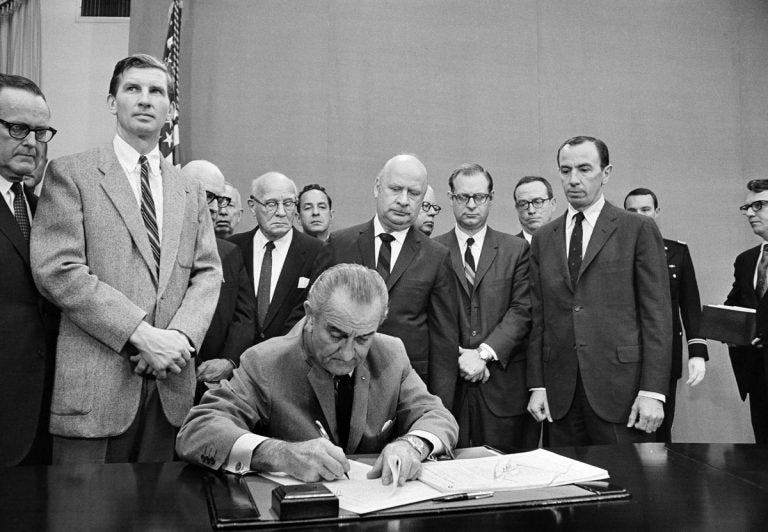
{"type": "Point", "coordinates": [534, 469]}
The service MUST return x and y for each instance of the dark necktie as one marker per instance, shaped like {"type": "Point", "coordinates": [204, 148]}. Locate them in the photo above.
{"type": "Point", "coordinates": [345, 394]}
{"type": "Point", "coordinates": [148, 211]}
{"type": "Point", "coordinates": [469, 263]}
{"type": "Point", "coordinates": [385, 255]}
{"type": "Point", "coordinates": [574, 253]}
{"type": "Point", "coordinates": [20, 209]}
{"type": "Point", "coordinates": [762, 274]}
{"type": "Point", "coordinates": [265, 280]}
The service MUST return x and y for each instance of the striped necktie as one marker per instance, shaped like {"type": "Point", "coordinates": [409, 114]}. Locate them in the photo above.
{"type": "Point", "coordinates": [148, 211]}
{"type": "Point", "coordinates": [469, 263]}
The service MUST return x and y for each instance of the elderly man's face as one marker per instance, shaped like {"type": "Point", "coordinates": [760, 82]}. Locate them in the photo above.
{"type": "Point", "coordinates": [20, 157]}
{"type": "Point", "coordinates": [229, 216]}
{"type": "Point", "coordinates": [425, 221]}
{"type": "Point", "coordinates": [275, 190]}
{"type": "Point", "coordinates": [399, 193]}
{"type": "Point", "coordinates": [339, 337]}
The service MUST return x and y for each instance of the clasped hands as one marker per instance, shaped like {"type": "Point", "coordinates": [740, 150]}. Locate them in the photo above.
{"type": "Point", "coordinates": [159, 350]}
{"type": "Point", "coordinates": [320, 460]}
{"type": "Point", "coordinates": [472, 368]}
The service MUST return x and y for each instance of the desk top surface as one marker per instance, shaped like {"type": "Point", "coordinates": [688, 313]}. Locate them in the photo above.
{"type": "Point", "coordinates": [692, 486]}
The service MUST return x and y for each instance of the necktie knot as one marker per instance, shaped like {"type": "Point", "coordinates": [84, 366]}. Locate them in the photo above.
{"type": "Point", "coordinates": [470, 242]}
{"type": "Point", "coordinates": [16, 187]}
{"type": "Point", "coordinates": [383, 264]}
{"type": "Point", "coordinates": [387, 238]}
{"type": "Point", "coordinates": [270, 245]}
{"type": "Point", "coordinates": [143, 160]}
{"type": "Point", "coordinates": [578, 218]}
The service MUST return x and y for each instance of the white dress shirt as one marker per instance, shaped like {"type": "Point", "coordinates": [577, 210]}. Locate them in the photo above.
{"type": "Point", "coordinates": [757, 264]}
{"type": "Point", "coordinates": [278, 258]}
{"type": "Point", "coordinates": [527, 236]}
{"type": "Point", "coordinates": [128, 158]}
{"type": "Point", "coordinates": [396, 245]}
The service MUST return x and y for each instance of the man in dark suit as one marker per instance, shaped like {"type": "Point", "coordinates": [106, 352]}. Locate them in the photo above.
{"type": "Point", "coordinates": [422, 297]}
{"type": "Point", "coordinates": [425, 221]}
{"type": "Point", "coordinates": [27, 321]}
{"type": "Point", "coordinates": [232, 327]}
{"type": "Point", "coordinates": [331, 386]}
{"type": "Point", "coordinates": [600, 348]}
{"type": "Point", "coordinates": [278, 258]}
{"type": "Point", "coordinates": [685, 303]}
{"type": "Point", "coordinates": [535, 204]}
{"type": "Point", "coordinates": [490, 270]}
{"type": "Point", "coordinates": [750, 285]}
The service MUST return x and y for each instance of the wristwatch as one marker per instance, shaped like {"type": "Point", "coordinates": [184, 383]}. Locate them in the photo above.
{"type": "Point", "coordinates": [421, 446]}
{"type": "Point", "coordinates": [485, 355]}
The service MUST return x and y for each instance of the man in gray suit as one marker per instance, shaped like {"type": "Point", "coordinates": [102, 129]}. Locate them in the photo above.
{"type": "Point", "coordinates": [124, 245]}
{"type": "Point", "coordinates": [331, 386]}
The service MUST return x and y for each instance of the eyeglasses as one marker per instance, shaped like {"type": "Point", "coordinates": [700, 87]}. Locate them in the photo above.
{"type": "Point", "coordinates": [480, 199]}
{"type": "Point", "coordinates": [223, 201]}
{"type": "Point", "coordinates": [537, 203]}
{"type": "Point", "coordinates": [755, 206]}
{"type": "Point", "coordinates": [271, 205]}
{"type": "Point", "coordinates": [20, 131]}
{"type": "Point", "coordinates": [426, 206]}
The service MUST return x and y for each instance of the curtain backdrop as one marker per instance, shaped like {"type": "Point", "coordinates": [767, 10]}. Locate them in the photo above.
{"type": "Point", "coordinates": [20, 48]}
{"type": "Point", "coordinates": [326, 90]}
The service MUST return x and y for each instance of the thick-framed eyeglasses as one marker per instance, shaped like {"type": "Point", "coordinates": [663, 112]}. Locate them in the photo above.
{"type": "Point", "coordinates": [271, 205]}
{"type": "Point", "coordinates": [20, 131]}
{"type": "Point", "coordinates": [427, 206]}
{"type": "Point", "coordinates": [755, 206]}
{"type": "Point", "coordinates": [537, 203]}
{"type": "Point", "coordinates": [480, 199]}
{"type": "Point", "coordinates": [223, 201]}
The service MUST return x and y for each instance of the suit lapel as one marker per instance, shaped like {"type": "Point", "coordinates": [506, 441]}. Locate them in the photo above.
{"type": "Point", "coordinates": [604, 228]}
{"type": "Point", "coordinates": [322, 384]}
{"type": "Point", "coordinates": [288, 276]}
{"type": "Point", "coordinates": [487, 255]}
{"type": "Point", "coordinates": [359, 416]}
{"type": "Point", "coordinates": [117, 188]}
{"type": "Point", "coordinates": [365, 245]}
{"type": "Point", "coordinates": [174, 206]}
{"type": "Point", "coordinates": [558, 242]}
{"type": "Point", "coordinates": [457, 263]}
{"type": "Point", "coordinates": [10, 228]}
{"type": "Point", "coordinates": [408, 252]}
{"type": "Point", "coordinates": [248, 252]}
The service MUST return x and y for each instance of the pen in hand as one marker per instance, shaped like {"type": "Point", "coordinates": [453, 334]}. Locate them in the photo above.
{"type": "Point", "coordinates": [324, 434]}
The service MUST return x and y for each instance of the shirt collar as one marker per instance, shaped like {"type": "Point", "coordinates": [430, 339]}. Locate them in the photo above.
{"type": "Point", "coordinates": [260, 240]}
{"type": "Point", "coordinates": [378, 228]}
{"type": "Point", "coordinates": [5, 185]}
{"type": "Point", "coordinates": [590, 213]}
{"type": "Point", "coordinates": [128, 157]}
{"type": "Point", "coordinates": [479, 237]}
{"type": "Point", "coordinates": [527, 236]}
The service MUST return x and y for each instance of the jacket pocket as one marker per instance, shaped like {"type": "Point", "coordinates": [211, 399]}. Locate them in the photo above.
{"type": "Point", "coordinates": [628, 354]}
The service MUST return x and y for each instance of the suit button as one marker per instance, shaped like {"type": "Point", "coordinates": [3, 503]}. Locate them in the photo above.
{"type": "Point", "coordinates": [577, 308]}
{"type": "Point", "coordinates": [474, 333]}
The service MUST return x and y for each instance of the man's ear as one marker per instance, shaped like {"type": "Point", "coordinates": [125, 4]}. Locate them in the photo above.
{"type": "Point", "coordinates": [111, 104]}
{"type": "Point", "coordinates": [607, 173]}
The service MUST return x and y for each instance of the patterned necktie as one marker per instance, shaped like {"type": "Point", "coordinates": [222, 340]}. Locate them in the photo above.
{"type": "Point", "coordinates": [20, 209]}
{"type": "Point", "coordinates": [148, 211]}
{"type": "Point", "coordinates": [265, 281]}
{"type": "Point", "coordinates": [345, 394]}
{"type": "Point", "coordinates": [574, 254]}
{"type": "Point", "coordinates": [469, 263]}
{"type": "Point", "coordinates": [385, 255]}
{"type": "Point", "coordinates": [762, 274]}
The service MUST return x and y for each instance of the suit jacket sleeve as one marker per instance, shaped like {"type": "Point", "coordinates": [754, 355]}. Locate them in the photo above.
{"type": "Point", "coordinates": [443, 334]}
{"type": "Point", "coordinates": [509, 336]}
{"type": "Point", "coordinates": [240, 334]}
{"type": "Point", "coordinates": [690, 307]}
{"type": "Point", "coordinates": [59, 265]}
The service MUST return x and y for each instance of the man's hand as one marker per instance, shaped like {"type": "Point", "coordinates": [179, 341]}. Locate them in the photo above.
{"type": "Point", "coordinates": [309, 461]}
{"type": "Point", "coordinates": [162, 350]}
{"type": "Point", "coordinates": [697, 368]}
{"type": "Point", "coordinates": [410, 465]}
{"type": "Point", "coordinates": [214, 370]}
{"type": "Point", "coordinates": [538, 406]}
{"type": "Point", "coordinates": [471, 366]}
{"type": "Point", "coordinates": [646, 414]}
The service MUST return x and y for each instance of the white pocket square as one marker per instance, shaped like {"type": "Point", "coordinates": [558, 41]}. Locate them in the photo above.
{"type": "Point", "coordinates": [303, 282]}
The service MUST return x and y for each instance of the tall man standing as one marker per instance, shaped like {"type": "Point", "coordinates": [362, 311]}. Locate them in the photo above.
{"type": "Point", "coordinates": [490, 271]}
{"type": "Point", "coordinates": [27, 322]}
{"type": "Point", "coordinates": [535, 204]}
{"type": "Point", "coordinates": [750, 285]}
{"type": "Point", "coordinates": [684, 291]}
{"type": "Point", "coordinates": [422, 297]}
{"type": "Point", "coordinates": [124, 245]}
{"type": "Point", "coordinates": [600, 348]}
{"type": "Point", "coordinates": [278, 258]}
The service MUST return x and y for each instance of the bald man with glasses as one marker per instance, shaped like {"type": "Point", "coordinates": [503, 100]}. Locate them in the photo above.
{"type": "Point", "coordinates": [425, 221]}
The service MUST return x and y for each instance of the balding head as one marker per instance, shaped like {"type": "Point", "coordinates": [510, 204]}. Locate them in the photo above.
{"type": "Point", "coordinates": [273, 203]}
{"type": "Point", "coordinates": [399, 191]}
{"type": "Point", "coordinates": [207, 173]}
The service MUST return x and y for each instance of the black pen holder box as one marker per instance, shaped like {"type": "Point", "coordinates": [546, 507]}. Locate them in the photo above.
{"type": "Point", "coordinates": [304, 501]}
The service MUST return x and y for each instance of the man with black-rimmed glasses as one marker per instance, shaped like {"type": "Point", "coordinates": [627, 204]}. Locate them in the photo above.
{"type": "Point", "coordinates": [535, 204]}
{"type": "Point", "coordinates": [425, 221]}
{"type": "Point", "coordinates": [278, 258]}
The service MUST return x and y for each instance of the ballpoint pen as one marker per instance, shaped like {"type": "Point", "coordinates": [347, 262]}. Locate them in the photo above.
{"type": "Point", "coordinates": [324, 434]}
{"type": "Point", "coordinates": [465, 496]}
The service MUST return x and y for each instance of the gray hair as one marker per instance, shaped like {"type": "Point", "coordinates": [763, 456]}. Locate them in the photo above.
{"type": "Point", "coordinates": [361, 284]}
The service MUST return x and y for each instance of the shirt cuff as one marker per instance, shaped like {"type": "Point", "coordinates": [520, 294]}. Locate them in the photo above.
{"type": "Point", "coordinates": [239, 459]}
{"type": "Point", "coordinates": [652, 395]}
{"type": "Point", "coordinates": [490, 350]}
{"type": "Point", "coordinates": [541, 389]}
{"type": "Point", "coordinates": [437, 445]}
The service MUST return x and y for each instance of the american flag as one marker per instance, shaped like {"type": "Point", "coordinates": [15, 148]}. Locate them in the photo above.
{"type": "Point", "coordinates": [169, 135]}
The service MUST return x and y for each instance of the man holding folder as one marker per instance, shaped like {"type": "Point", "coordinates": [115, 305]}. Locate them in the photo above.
{"type": "Point", "coordinates": [331, 386]}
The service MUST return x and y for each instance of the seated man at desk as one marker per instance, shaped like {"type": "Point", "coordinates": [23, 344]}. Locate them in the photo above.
{"type": "Point", "coordinates": [331, 386]}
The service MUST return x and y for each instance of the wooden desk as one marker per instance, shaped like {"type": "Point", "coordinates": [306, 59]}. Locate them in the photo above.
{"type": "Point", "coordinates": [680, 486]}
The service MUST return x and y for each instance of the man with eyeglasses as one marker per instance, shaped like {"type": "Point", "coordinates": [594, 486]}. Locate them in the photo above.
{"type": "Point", "coordinates": [124, 245]}
{"type": "Point", "coordinates": [278, 258]}
{"type": "Point", "coordinates": [425, 221]}
{"type": "Point", "coordinates": [750, 285]}
{"type": "Point", "coordinates": [28, 321]}
{"type": "Point", "coordinates": [229, 215]}
{"type": "Point", "coordinates": [535, 204]}
{"type": "Point", "coordinates": [315, 211]}
{"type": "Point", "coordinates": [684, 291]}
{"type": "Point", "coordinates": [232, 326]}
{"type": "Point", "coordinates": [490, 272]}
{"type": "Point", "coordinates": [422, 297]}
{"type": "Point", "coordinates": [600, 348]}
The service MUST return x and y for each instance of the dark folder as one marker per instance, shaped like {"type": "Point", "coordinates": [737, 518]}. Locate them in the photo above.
{"type": "Point", "coordinates": [730, 325]}
{"type": "Point", "coordinates": [229, 501]}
